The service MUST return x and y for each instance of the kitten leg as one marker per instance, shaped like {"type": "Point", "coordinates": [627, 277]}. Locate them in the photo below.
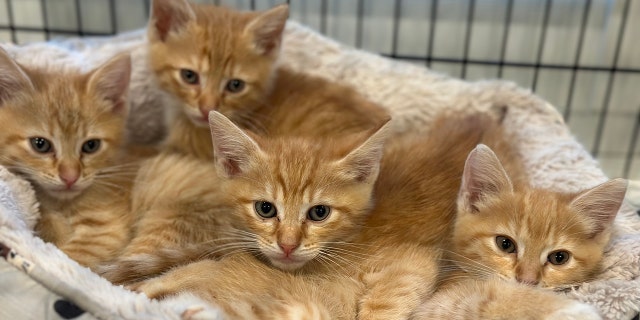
{"type": "Point", "coordinates": [243, 287]}
{"type": "Point", "coordinates": [168, 237]}
{"type": "Point", "coordinates": [140, 258]}
{"type": "Point", "coordinates": [403, 277]}
{"type": "Point", "coordinates": [498, 299]}
{"type": "Point", "coordinates": [97, 238]}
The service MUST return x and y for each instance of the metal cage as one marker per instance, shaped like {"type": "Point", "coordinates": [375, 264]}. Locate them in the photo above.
{"type": "Point", "coordinates": [578, 54]}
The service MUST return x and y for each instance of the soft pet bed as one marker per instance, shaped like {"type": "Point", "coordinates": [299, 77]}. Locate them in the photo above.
{"type": "Point", "coordinates": [38, 281]}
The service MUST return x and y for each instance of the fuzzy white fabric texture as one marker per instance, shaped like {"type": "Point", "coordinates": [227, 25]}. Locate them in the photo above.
{"type": "Point", "coordinates": [412, 94]}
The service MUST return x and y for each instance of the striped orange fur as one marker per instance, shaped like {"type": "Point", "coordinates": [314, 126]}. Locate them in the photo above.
{"type": "Point", "coordinates": [215, 58]}
{"type": "Point", "coordinates": [63, 132]}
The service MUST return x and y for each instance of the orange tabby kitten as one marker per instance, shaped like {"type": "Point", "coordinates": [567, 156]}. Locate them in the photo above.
{"type": "Point", "coordinates": [214, 58]}
{"type": "Point", "coordinates": [63, 132]}
{"type": "Point", "coordinates": [246, 51]}
{"type": "Point", "coordinates": [305, 206]}
{"type": "Point", "coordinates": [300, 203]}
{"type": "Point", "coordinates": [529, 235]}
{"type": "Point", "coordinates": [508, 238]}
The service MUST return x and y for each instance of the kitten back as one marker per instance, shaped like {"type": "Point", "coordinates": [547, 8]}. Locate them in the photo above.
{"type": "Point", "coordinates": [420, 175]}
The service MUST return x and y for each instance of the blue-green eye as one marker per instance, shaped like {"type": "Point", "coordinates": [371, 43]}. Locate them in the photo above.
{"type": "Point", "coordinates": [319, 212]}
{"type": "Point", "coordinates": [91, 146]}
{"type": "Point", "coordinates": [235, 85]}
{"type": "Point", "coordinates": [189, 76]}
{"type": "Point", "coordinates": [40, 145]}
{"type": "Point", "coordinates": [265, 209]}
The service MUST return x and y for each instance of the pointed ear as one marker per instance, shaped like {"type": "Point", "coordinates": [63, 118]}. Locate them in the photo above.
{"type": "Point", "coordinates": [363, 163]}
{"type": "Point", "coordinates": [265, 30]}
{"type": "Point", "coordinates": [483, 177]}
{"type": "Point", "coordinates": [233, 149]}
{"type": "Point", "coordinates": [167, 16]}
{"type": "Point", "coordinates": [111, 82]}
{"type": "Point", "coordinates": [12, 77]}
{"type": "Point", "coordinates": [601, 203]}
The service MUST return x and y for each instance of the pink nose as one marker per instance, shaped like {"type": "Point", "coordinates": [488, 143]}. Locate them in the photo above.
{"type": "Point", "coordinates": [205, 112]}
{"type": "Point", "coordinates": [69, 179]}
{"type": "Point", "coordinates": [528, 280]}
{"type": "Point", "coordinates": [287, 248]}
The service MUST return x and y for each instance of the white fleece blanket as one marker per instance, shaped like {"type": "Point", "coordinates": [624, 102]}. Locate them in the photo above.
{"type": "Point", "coordinates": [411, 93]}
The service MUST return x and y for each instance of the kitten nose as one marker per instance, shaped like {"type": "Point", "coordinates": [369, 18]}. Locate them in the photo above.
{"type": "Point", "coordinates": [287, 248]}
{"type": "Point", "coordinates": [205, 112]}
{"type": "Point", "coordinates": [528, 280]}
{"type": "Point", "coordinates": [69, 178]}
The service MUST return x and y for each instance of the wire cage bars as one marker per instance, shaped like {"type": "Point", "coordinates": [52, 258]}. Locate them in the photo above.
{"type": "Point", "coordinates": [578, 54]}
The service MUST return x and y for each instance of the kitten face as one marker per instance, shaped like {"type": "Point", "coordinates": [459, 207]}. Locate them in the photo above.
{"type": "Point", "coordinates": [532, 236]}
{"type": "Point", "coordinates": [296, 212]}
{"type": "Point", "coordinates": [212, 58]}
{"type": "Point", "coordinates": [296, 197]}
{"type": "Point", "coordinates": [60, 131]}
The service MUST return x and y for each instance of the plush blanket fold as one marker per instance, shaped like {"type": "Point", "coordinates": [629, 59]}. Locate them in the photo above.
{"type": "Point", "coordinates": [412, 94]}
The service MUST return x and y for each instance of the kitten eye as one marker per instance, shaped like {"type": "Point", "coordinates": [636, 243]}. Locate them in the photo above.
{"type": "Point", "coordinates": [265, 209]}
{"type": "Point", "coordinates": [558, 257]}
{"type": "Point", "coordinates": [91, 146]}
{"type": "Point", "coordinates": [505, 244]}
{"type": "Point", "coordinates": [189, 76]}
{"type": "Point", "coordinates": [319, 212]}
{"type": "Point", "coordinates": [40, 145]}
{"type": "Point", "coordinates": [235, 85]}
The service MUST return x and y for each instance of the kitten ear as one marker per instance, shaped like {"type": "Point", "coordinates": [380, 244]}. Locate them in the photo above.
{"type": "Point", "coordinates": [167, 16]}
{"type": "Point", "coordinates": [111, 82]}
{"type": "Point", "coordinates": [483, 177]}
{"type": "Point", "coordinates": [233, 149]}
{"type": "Point", "coordinates": [601, 203]}
{"type": "Point", "coordinates": [12, 77]}
{"type": "Point", "coordinates": [363, 163]}
{"type": "Point", "coordinates": [265, 31]}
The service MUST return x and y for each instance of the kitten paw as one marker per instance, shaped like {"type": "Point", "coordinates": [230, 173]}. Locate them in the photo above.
{"type": "Point", "coordinates": [135, 287]}
{"type": "Point", "coordinates": [200, 313]}
{"type": "Point", "coordinates": [576, 311]}
{"type": "Point", "coordinates": [152, 288]}
{"type": "Point", "coordinates": [128, 269]}
{"type": "Point", "coordinates": [303, 311]}
{"type": "Point", "coordinates": [191, 307]}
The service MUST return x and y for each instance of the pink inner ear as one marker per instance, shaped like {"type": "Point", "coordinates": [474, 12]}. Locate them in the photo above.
{"type": "Point", "coordinates": [601, 203]}
{"type": "Point", "coordinates": [163, 20]}
{"type": "Point", "coordinates": [483, 176]}
{"type": "Point", "coordinates": [267, 42]}
{"type": "Point", "coordinates": [229, 161]}
{"type": "Point", "coordinates": [170, 15]}
{"type": "Point", "coordinates": [267, 30]}
{"type": "Point", "coordinates": [231, 167]}
{"type": "Point", "coordinates": [12, 80]}
{"type": "Point", "coordinates": [118, 106]}
{"type": "Point", "coordinates": [474, 197]}
{"type": "Point", "coordinates": [363, 169]}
